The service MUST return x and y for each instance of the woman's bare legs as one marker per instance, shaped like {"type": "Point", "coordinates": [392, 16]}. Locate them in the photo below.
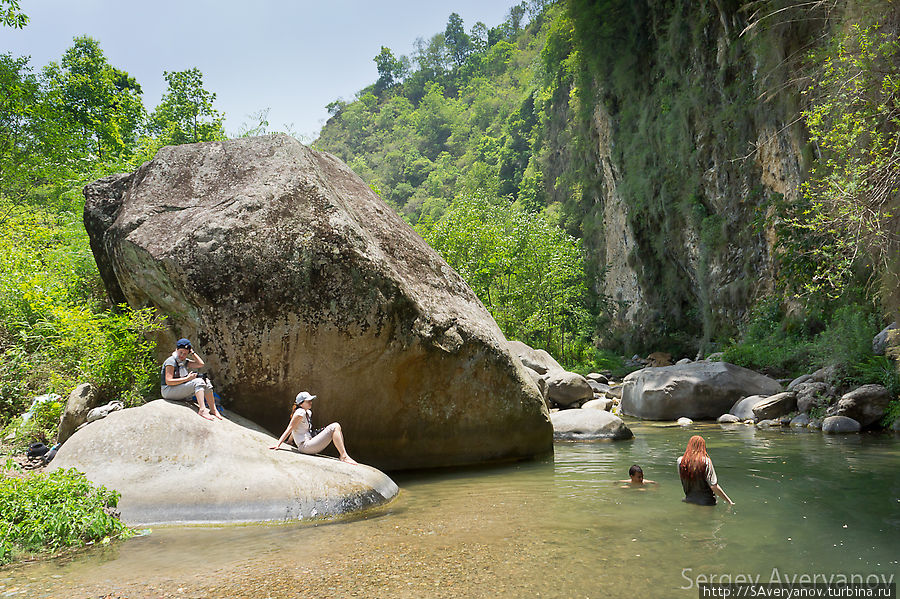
{"type": "Point", "coordinates": [338, 438]}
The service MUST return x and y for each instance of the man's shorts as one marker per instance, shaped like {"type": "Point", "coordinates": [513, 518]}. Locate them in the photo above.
{"type": "Point", "coordinates": [186, 390]}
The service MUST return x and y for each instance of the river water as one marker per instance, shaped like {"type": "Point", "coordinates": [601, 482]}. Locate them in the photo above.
{"type": "Point", "coordinates": [806, 503]}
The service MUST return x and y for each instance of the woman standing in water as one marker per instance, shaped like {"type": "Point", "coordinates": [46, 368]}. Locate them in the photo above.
{"type": "Point", "coordinates": [698, 477]}
{"type": "Point", "coordinates": [305, 438]}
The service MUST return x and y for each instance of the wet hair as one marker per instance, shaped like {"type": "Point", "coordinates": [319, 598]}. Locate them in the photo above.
{"type": "Point", "coordinates": [693, 462]}
{"type": "Point", "coordinates": [634, 470]}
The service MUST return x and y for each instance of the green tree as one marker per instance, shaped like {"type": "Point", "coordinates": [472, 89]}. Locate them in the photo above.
{"type": "Point", "coordinates": [390, 69]}
{"type": "Point", "coordinates": [459, 44]}
{"type": "Point", "coordinates": [526, 270]}
{"type": "Point", "coordinates": [101, 101]}
{"type": "Point", "coordinates": [11, 15]}
{"type": "Point", "coordinates": [186, 113]}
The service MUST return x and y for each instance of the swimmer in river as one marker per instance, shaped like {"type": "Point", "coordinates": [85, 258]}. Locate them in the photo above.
{"type": "Point", "coordinates": [637, 478]}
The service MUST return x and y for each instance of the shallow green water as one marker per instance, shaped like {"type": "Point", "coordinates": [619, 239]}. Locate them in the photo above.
{"type": "Point", "coordinates": [806, 503]}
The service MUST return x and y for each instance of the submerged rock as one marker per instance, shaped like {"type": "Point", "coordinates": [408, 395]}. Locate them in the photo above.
{"type": "Point", "coordinates": [840, 424]}
{"type": "Point", "coordinates": [699, 390]}
{"type": "Point", "coordinates": [288, 272]}
{"type": "Point", "coordinates": [171, 465]}
{"type": "Point", "coordinates": [684, 421]}
{"type": "Point", "coordinates": [588, 425]}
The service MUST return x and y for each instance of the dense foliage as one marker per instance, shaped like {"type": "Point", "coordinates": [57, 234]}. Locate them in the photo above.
{"type": "Point", "coordinates": [50, 512]}
{"type": "Point", "coordinates": [528, 272]}
{"type": "Point", "coordinates": [69, 123]}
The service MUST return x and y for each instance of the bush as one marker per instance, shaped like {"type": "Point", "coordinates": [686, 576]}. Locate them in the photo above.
{"type": "Point", "coordinates": [780, 345]}
{"type": "Point", "coordinates": [55, 329]}
{"type": "Point", "coordinates": [49, 512]}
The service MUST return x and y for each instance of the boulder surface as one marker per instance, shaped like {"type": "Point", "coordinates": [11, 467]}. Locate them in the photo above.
{"type": "Point", "coordinates": [840, 424]}
{"type": "Point", "coordinates": [588, 425]}
{"type": "Point", "coordinates": [865, 404]}
{"type": "Point", "coordinates": [775, 406]}
{"type": "Point", "coordinates": [171, 465]}
{"type": "Point", "coordinates": [743, 408]}
{"type": "Point", "coordinates": [288, 272]}
{"type": "Point", "coordinates": [699, 390]}
{"type": "Point", "coordinates": [81, 400]}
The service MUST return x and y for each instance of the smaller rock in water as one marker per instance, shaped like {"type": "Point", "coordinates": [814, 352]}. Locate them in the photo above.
{"type": "Point", "coordinates": [598, 387]}
{"type": "Point", "coordinates": [603, 403]}
{"type": "Point", "coordinates": [684, 421]}
{"type": "Point", "coordinates": [814, 423]}
{"type": "Point", "coordinates": [775, 406]}
{"type": "Point", "coordinates": [800, 421]}
{"type": "Point", "coordinates": [588, 425]}
{"type": "Point", "coordinates": [768, 423]}
{"type": "Point", "coordinates": [743, 408]}
{"type": "Point", "coordinates": [567, 388]}
{"type": "Point", "coordinates": [840, 424]}
{"type": "Point", "coordinates": [866, 404]}
{"type": "Point", "coordinates": [596, 376]}
{"type": "Point", "coordinates": [728, 419]}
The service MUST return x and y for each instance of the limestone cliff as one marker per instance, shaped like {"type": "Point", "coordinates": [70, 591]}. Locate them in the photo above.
{"type": "Point", "coordinates": [689, 132]}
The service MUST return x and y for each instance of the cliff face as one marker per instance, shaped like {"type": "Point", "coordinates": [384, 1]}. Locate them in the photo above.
{"type": "Point", "coordinates": [689, 132]}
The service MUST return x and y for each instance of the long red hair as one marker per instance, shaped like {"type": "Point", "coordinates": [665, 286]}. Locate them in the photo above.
{"type": "Point", "coordinates": [693, 462]}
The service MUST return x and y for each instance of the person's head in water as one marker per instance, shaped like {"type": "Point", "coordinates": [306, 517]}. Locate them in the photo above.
{"type": "Point", "coordinates": [693, 462]}
{"type": "Point", "coordinates": [636, 474]}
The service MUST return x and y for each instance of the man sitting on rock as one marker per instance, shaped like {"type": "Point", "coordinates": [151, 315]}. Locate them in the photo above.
{"type": "Point", "coordinates": [178, 382]}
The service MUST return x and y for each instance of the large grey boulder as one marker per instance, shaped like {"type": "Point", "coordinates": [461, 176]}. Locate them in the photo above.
{"type": "Point", "coordinates": [172, 466]}
{"type": "Point", "coordinates": [81, 400]}
{"type": "Point", "coordinates": [840, 424]}
{"type": "Point", "coordinates": [588, 425]}
{"type": "Point", "coordinates": [699, 390]}
{"type": "Point", "coordinates": [865, 404]}
{"type": "Point", "coordinates": [743, 408]}
{"type": "Point", "coordinates": [775, 406]}
{"type": "Point", "coordinates": [288, 272]}
{"type": "Point", "coordinates": [567, 388]}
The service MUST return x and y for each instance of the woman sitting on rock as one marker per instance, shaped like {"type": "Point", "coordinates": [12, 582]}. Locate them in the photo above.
{"type": "Point", "coordinates": [698, 477]}
{"type": "Point", "coordinates": [178, 382]}
{"type": "Point", "coordinates": [305, 438]}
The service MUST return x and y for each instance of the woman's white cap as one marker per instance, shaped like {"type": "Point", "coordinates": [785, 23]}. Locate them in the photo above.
{"type": "Point", "coordinates": [304, 396]}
